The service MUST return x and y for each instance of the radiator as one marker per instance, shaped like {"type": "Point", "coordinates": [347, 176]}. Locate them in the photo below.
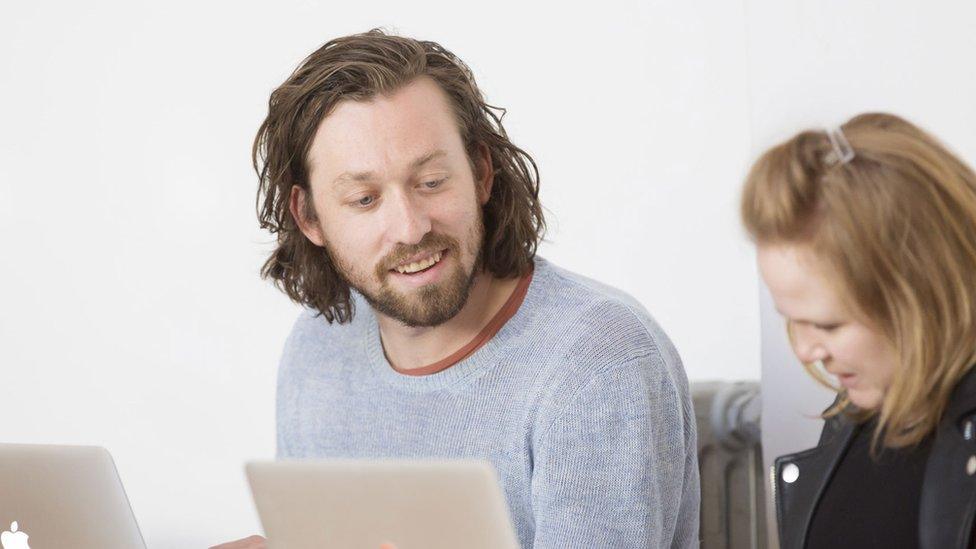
{"type": "Point", "coordinates": [733, 503]}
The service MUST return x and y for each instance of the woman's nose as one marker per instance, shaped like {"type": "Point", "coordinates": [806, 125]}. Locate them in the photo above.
{"type": "Point", "coordinates": [808, 347]}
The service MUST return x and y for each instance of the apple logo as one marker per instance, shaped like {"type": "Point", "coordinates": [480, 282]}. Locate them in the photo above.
{"type": "Point", "coordinates": [14, 539]}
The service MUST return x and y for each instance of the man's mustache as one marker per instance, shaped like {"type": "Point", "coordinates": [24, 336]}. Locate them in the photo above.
{"type": "Point", "coordinates": [431, 242]}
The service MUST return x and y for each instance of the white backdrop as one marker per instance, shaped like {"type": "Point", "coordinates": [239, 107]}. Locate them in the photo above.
{"type": "Point", "coordinates": [131, 312]}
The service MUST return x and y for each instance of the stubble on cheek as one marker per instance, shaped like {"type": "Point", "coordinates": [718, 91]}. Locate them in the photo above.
{"type": "Point", "coordinates": [429, 305]}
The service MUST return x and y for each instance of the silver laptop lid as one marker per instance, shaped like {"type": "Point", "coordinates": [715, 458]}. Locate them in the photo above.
{"type": "Point", "coordinates": [366, 504]}
{"type": "Point", "coordinates": [63, 496]}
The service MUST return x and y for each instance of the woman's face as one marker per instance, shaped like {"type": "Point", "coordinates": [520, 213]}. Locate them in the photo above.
{"type": "Point", "coordinates": [823, 327]}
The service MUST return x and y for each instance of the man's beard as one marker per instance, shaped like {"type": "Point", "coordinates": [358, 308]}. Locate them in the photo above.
{"type": "Point", "coordinates": [430, 305]}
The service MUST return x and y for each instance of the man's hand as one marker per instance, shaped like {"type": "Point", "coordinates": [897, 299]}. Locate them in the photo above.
{"type": "Point", "coordinates": [253, 542]}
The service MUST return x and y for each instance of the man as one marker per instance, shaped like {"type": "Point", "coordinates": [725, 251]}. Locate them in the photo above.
{"type": "Point", "coordinates": [407, 223]}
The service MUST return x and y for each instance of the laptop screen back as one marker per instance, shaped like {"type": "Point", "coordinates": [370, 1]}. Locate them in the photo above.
{"type": "Point", "coordinates": [374, 504]}
{"type": "Point", "coordinates": [63, 496]}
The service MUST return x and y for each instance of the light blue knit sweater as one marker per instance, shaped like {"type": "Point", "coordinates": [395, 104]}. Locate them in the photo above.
{"type": "Point", "coordinates": [580, 402]}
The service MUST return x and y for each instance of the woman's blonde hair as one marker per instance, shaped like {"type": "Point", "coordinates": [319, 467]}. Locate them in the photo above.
{"type": "Point", "coordinates": [896, 228]}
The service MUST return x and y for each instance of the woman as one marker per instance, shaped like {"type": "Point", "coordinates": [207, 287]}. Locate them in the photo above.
{"type": "Point", "coordinates": [866, 238]}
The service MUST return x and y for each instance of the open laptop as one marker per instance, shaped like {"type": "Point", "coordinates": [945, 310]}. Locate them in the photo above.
{"type": "Point", "coordinates": [380, 504]}
{"type": "Point", "coordinates": [63, 496]}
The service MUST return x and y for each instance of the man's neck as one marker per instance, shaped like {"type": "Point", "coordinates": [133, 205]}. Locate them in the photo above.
{"type": "Point", "coordinates": [410, 348]}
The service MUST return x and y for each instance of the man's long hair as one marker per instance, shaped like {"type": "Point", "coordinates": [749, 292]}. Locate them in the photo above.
{"type": "Point", "coordinates": [358, 68]}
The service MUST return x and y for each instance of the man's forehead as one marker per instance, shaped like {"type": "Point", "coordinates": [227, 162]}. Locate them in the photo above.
{"type": "Point", "coordinates": [410, 127]}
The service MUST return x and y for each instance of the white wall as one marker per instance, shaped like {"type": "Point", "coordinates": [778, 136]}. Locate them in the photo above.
{"type": "Point", "coordinates": [133, 316]}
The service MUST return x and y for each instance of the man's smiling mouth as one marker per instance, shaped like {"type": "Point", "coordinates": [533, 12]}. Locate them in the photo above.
{"type": "Point", "coordinates": [420, 265]}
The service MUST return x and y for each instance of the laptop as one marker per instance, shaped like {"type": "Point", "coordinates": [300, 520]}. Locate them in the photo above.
{"type": "Point", "coordinates": [346, 504]}
{"type": "Point", "coordinates": [63, 496]}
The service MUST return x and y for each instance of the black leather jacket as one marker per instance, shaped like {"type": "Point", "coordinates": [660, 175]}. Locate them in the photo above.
{"type": "Point", "coordinates": [948, 504]}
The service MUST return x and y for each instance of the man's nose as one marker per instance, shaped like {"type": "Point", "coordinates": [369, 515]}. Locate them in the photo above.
{"type": "Point", "coordinates": [407, 221]}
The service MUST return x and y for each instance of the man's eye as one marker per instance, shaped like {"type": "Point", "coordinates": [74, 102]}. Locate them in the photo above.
{"type": "Point", "coordinates": [365, 201]}
{"type": "Point", "coordinates": [433, 184]}
{"type": "Point", "coordinates": [827, 327]}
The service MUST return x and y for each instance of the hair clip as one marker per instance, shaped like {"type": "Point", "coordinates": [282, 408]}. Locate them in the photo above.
{"type": "Point", "coordinates": [842, 152]}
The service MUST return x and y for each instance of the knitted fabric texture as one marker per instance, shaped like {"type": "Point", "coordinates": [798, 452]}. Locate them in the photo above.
{"type": "Point", "coordinates": [579, 401]}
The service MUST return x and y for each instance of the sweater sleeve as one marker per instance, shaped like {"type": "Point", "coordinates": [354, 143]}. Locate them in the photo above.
{"type": "Point", "coordinates": [613, 468]}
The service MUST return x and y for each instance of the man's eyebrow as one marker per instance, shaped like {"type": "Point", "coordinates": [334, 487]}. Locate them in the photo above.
{"type": "Point", "coordinates": [357, 177]}
{"type": "Point", "coordinates": [421, 160]}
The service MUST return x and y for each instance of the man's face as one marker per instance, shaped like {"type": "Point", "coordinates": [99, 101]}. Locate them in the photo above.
{"type": "Point", "coordinates": [398, 206]}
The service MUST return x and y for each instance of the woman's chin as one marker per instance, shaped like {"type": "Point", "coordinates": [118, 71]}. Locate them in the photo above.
{"type": "Point", "coordinates": [865, 399]}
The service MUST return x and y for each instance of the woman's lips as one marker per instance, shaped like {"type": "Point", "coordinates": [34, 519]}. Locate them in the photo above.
{"type": "Point", "coordinates": [847, 380]}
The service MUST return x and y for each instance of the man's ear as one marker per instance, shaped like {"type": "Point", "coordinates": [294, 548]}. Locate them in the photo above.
{"type": "Point", "coordinates": [304, 215]}
{"type": "Point", "coordinates": [485, 172]}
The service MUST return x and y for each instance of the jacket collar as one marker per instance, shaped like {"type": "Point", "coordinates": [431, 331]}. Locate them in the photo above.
{"type": "Point", "coordinates": [948, 499]}
{"type": "Point", "coordinates": [963, 399]}
{"type": "Point", "coordinates": [797, 501]}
